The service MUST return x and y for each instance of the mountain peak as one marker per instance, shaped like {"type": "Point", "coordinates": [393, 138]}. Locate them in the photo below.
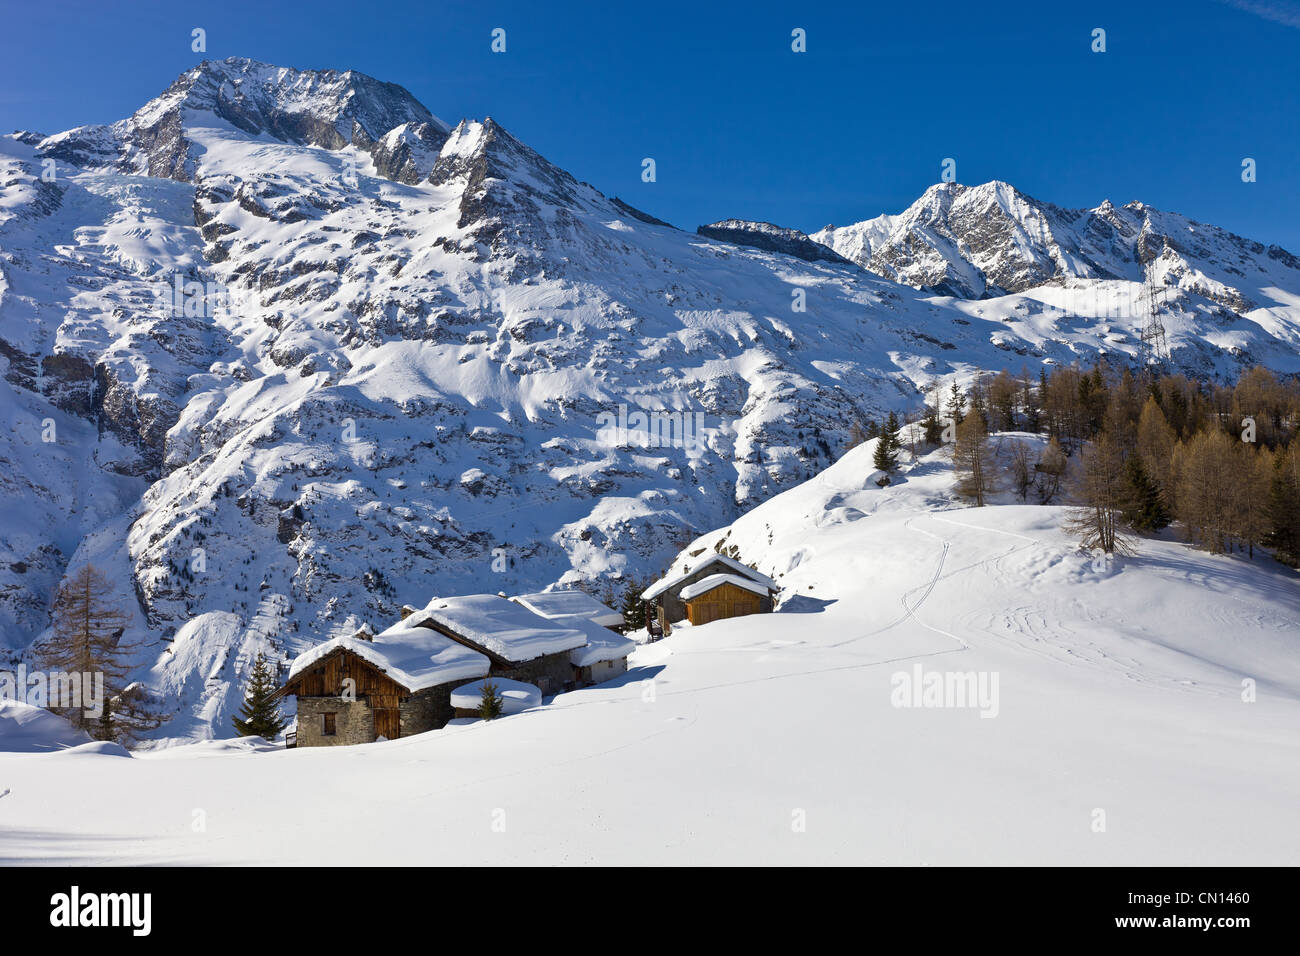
{"type": "Point", "coordinates": [323, 108]}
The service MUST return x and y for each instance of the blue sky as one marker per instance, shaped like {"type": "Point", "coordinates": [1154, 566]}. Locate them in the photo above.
{"type": "Point", "coordinates": [738, 124]}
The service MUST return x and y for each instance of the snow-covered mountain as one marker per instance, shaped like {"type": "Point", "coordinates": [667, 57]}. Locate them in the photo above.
{"type": "Point", "coordinates": [283, 351]}
{"type": "Point", "coordinates": [992, 239]}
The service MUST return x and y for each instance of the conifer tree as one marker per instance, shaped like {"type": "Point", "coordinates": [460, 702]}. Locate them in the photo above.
{"type": "Point", "coordinates": [931, 427]}
{"type": "Point", "coordinates": [632, 608]}
{"type": "Point", "coordinates": [891, 430]}
{"type": "Point", "coordinates": [260, 715]}
{"type": "Point", "coordinates": [1283, 508]}
{"type": "Point", "coordinates": [885, 457]}
{"type": "Point", "coordinates": [490, 704]}
{"type": "Point", "coordinates": [1143, 509]}
{"type": "Point", "coordinates": [956, 405]}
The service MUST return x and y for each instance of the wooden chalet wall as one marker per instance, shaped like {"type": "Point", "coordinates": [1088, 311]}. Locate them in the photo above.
{"type": "Point", "coordinates": [726, 600]}
{"type": "Point", "coordinates": [674, 608]}
{"type": "Point", "coordinates": [325, 679]}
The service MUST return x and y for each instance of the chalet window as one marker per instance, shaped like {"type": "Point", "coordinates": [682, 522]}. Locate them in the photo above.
{"type": "Point", "coordinates": [329, 726]}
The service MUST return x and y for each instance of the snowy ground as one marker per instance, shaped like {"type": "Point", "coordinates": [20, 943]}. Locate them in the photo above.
{"type": "Point", "coordinates": [773, 739]}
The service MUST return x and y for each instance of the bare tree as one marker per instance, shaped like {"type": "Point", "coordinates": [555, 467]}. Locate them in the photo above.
{"type": "Point", "coordinates": [973, 461]}
{"type": "Point", "coordinates": [86, 638]}
{"type": "Point", "coordinates": [1098, 519]}
{"type": "Point", "coordinates": [1022, 473]}
{"type": "Point", "coordinates": [1050, 472]}
{"type": "Point", "coordinates": [1207, 469]}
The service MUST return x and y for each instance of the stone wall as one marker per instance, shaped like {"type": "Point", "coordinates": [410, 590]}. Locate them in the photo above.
{"type": "Point", "coordinates": [354, 723]}
{"type": "Point", "coordinates": [427, 709]}
{"type": "Point", "coordinates": [552, 673]}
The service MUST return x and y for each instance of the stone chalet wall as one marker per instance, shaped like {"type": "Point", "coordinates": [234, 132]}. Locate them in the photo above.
{"type": "Point", "coordinates": [428, 709]}
{"type": "Point", "coordinates": [355, 723]}
{"type": "Point", "coordinates": [553, 673]}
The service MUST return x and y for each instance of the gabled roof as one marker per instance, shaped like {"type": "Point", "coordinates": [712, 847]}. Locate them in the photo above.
{"type": "Point", "coordinates": [731, 564]}
{"type": "Point", "coordinates": [500, 627]}
{"type": "Point", "coordinates": [415, 657]}
{"type": "Point", "coordinates": [559, 605]}
{"type": "Point", "coordinates": [705, 585]}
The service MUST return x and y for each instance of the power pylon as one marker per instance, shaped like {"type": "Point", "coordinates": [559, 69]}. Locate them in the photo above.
{"type": "Point", "coordinates": [1155, 347]}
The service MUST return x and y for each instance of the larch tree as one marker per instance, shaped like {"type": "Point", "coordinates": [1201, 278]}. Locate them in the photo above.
{"type": "Point", "coordinates": [1003, 390]}
{"type": "Point", "coordinates": [86, 628]}
{"type": "Point", "coordinates": [1207, 478]}
{"type": "Point", "coordinates": [1252, 498]}
{"type": "Point", "coordinates": [1155, 446]}
{"type": "Point", "coordinates": [1050, 472]}
{"type": "Point", "coordinates": [1099, 489]}
{"type": "Point", "coordinates": [1022, 472]}
{"type": "Point", "coordinates": [972, 460]}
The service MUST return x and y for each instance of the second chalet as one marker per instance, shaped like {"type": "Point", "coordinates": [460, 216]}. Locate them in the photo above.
{"type": "Point", "coordinates": [711, 589]}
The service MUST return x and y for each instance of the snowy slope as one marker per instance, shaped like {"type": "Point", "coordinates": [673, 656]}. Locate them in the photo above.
{"type": "Point", "coordinates": [775, 738]}
{"type": "Point", "coordinates": [399, 365]}
{"type": "Point", "coordinates": [28, 729]}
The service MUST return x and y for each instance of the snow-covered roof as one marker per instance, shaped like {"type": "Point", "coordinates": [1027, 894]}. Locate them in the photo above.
{"type": "Point", "coordinates": [415, 657]}
{"type": "Point", "coordinates": [555, 605]}
{"type": "Point", "coordinates": [602, 644]}
{"type": "Point", "coordinates": [515, 695]}
{"type": "Point", "coordinates": [504, 628]}
{"type": "Point", "coordinates": [744, 570]}
{"type": "Point", "coordinates": [704, 585]}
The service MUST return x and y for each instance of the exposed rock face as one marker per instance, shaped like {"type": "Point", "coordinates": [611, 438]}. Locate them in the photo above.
{"type": "Point", "coordinates": [764, 235]}
{"type": "Point", "coordinates": [408, 152]}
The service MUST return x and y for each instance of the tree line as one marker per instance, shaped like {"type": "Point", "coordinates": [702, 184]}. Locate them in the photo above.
{"type": "Point", "coordinates": [1133, 450]}
{"type": "Point", "coordinates": [1150, 449]}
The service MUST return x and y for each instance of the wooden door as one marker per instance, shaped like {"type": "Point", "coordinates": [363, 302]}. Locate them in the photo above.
{"type": "Point", "coordinates": [388, 722]}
